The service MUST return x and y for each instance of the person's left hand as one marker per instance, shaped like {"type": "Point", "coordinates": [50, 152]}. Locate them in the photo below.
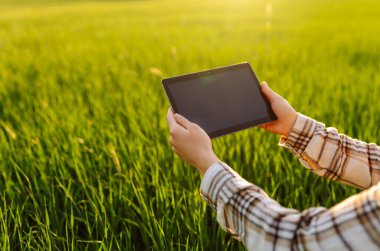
{"type": "Point", "coordinates": [190, 142]}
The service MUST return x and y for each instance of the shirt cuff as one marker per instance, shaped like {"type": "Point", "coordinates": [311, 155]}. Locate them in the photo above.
{"type": "Point", "coordinates": [220, 182]}
{"type": "Point", "coordinates": [301, 134]}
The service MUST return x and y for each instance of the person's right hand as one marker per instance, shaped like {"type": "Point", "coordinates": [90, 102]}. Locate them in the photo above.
{"type": "Point", "coordinates": [286, 115]}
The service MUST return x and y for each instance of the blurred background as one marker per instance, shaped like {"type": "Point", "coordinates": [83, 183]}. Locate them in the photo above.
{"type": "Point", "coordinates": [85, 159]}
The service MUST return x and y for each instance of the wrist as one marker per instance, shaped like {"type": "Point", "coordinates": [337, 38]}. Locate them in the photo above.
{"type": "Point", "coordinates": [292, 121]}
{"type": "Point", "coordinates": [210, 159]}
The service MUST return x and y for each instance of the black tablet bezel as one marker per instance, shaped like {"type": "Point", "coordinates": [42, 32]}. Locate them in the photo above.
{"type": "Point", "coordinates": [175, 80]}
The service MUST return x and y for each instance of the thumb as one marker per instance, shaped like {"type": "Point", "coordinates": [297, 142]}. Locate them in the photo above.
{"type": "Point", "coordinates": [268, 92]}
{"type": "Point", "coordinates": [182, 121]}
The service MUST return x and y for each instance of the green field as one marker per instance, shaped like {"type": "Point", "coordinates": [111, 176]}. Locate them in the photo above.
{"type": "Point", "coordinates": [85, 158]}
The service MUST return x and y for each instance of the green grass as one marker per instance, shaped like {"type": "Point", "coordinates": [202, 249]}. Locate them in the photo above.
{"type": "Point", "coordinates": [85, 159]}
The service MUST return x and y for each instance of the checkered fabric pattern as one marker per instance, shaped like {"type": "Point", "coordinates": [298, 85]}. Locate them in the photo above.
{"type": "Point", "coordinates": [245, 211]}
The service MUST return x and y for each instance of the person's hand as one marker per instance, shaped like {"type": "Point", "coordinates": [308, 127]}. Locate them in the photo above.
{"type": "Point", "coordinates": [286, 115]}
{"type": "Point", "coordinates": [190, 142]}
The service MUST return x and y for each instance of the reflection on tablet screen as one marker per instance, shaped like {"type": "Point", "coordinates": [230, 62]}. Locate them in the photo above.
{"type": "Point", "coordinates": [220, 100]}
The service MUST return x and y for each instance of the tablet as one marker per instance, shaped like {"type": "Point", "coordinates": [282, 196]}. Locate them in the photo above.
{"type": "Point", "coordinates": [221, 101]}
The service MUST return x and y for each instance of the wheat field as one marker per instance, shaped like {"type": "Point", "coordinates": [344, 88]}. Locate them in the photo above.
{"type": "Point", "coordinates": [85, 162]}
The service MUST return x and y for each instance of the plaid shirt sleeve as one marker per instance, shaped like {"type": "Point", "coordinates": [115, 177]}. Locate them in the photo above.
{"type": "Point", "coordinates": [246, 212]}
{"type": "Point", "coordinates": [332, 155]}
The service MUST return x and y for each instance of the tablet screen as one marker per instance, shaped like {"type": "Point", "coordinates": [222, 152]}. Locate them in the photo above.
{"type": "Point", "coordinates": [222, 100]}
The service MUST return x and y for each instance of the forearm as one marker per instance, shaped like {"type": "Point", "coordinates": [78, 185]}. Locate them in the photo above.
{"type": "Point", "coordinates": [332, 155]}
{"type": "Point", "coordinates": [245, 211]}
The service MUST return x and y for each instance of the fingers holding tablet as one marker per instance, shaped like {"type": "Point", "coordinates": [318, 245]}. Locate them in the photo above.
{"type": "Point", "coordinates": [286, 115]}
{"type": "Point", "coordinates": [221, 101]}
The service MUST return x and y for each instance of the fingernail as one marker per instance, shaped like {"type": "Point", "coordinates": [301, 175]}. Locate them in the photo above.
{"type": "Point", "coordinates": [177, 116]}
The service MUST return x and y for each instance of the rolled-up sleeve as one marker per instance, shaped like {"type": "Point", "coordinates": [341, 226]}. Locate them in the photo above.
{"type": "Point", "coordinates": [245, 211]}
{"type": "Point", "coordinates": [335, 156]}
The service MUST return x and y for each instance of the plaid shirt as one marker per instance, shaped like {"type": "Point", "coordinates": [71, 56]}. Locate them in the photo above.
{"type": "Point", "coordinates": [245, 211]}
